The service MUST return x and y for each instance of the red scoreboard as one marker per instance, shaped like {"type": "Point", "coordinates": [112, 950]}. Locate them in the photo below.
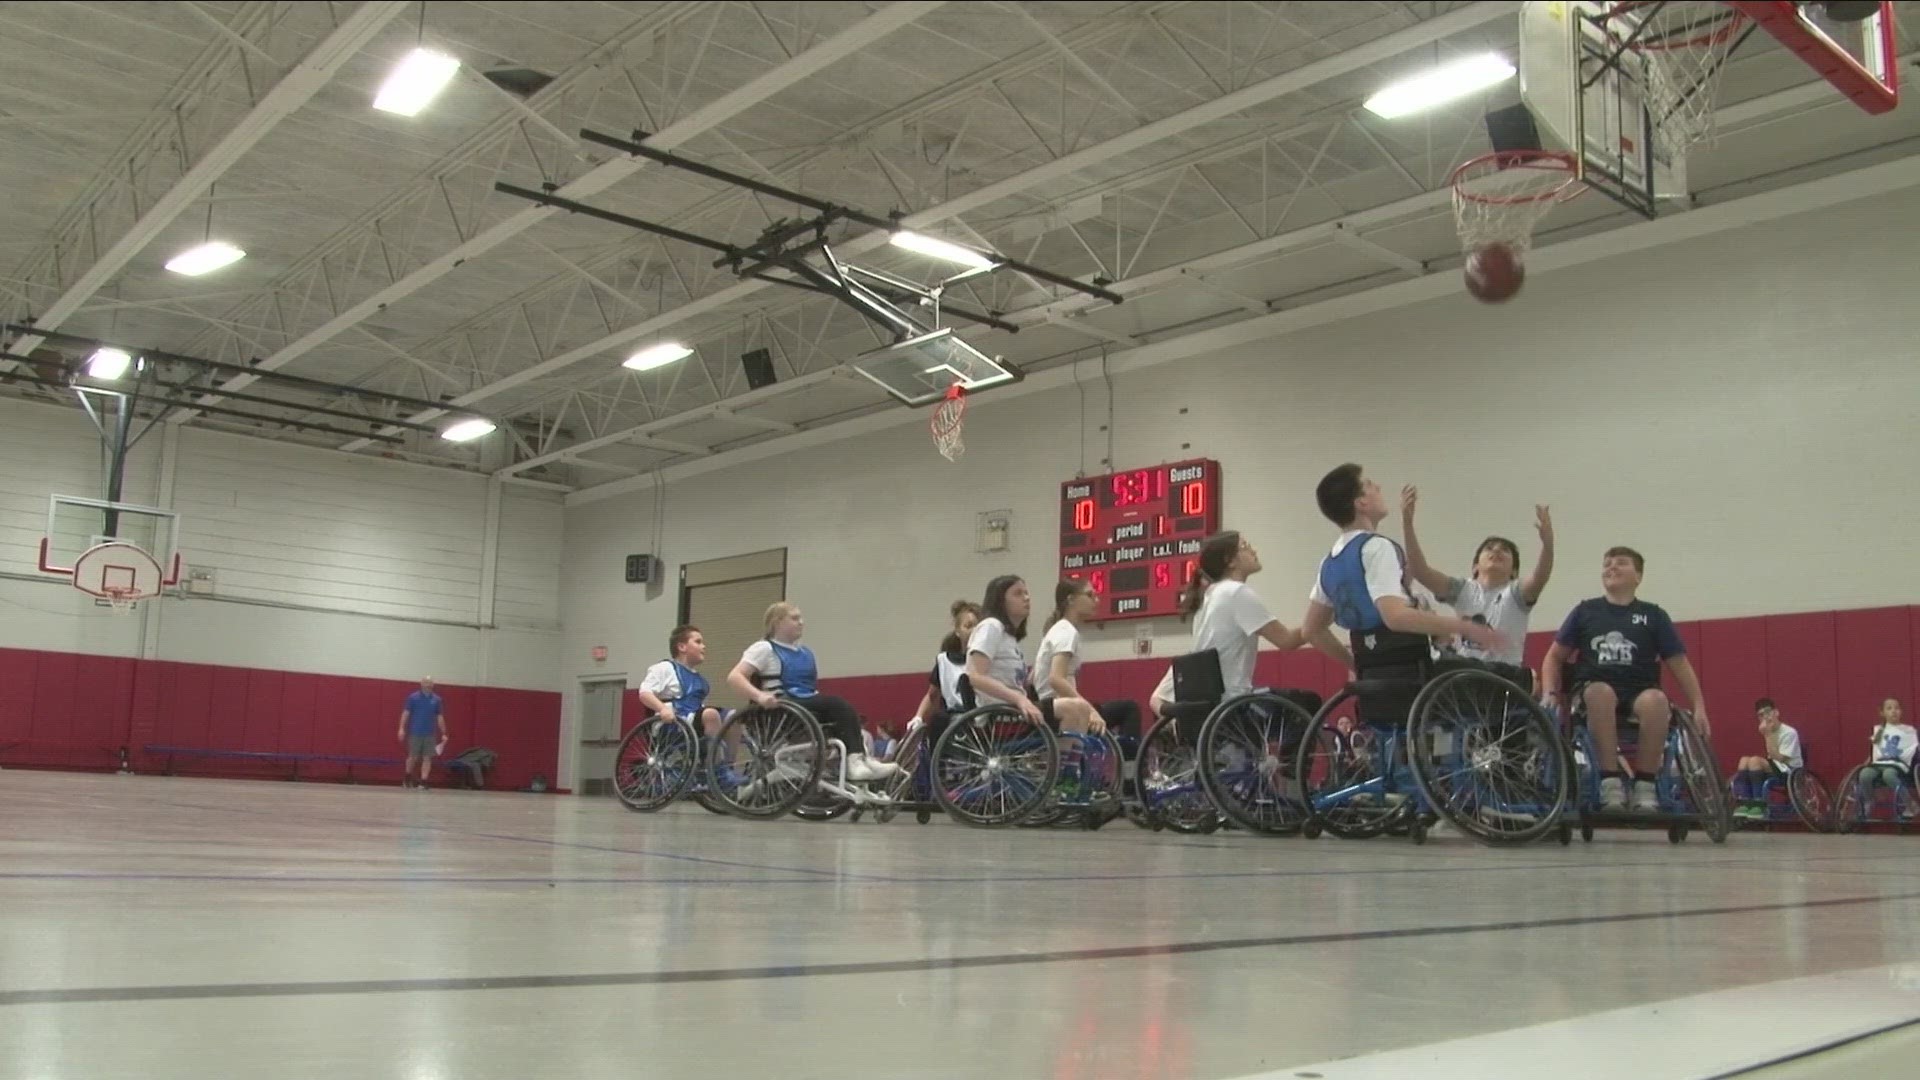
{"type": "Point", "coordinates": [1136, 535]}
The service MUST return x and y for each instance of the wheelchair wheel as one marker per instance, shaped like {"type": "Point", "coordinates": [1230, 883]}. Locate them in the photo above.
{"type": "Point", "coordinates": [1850, 808]}
{"type": "Point", "coordinates": [766, 760]}
{"type": "Point", "coordinates": [1700, 774]}
{"type": "Point", "coordinates": [1811, 800]}
{"type": "Point", "coordinates": [655, 764]}
{"type": "Point", "coordinates": [1489, 759]}
{"type": "Point", "coordinates": [994, 767]}
{"type": "Point", "coordinates": [1356, 787]}
{"type": "Point", "coordinates": [1167, 779]}
{"type": "Point", "coordinates": [1249, 748]}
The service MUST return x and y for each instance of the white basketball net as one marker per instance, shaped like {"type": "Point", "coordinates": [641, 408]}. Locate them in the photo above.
{"type": "Point", "coordinates": [1686, 46]}
{"type": "Point", "coordinates": [948, 419]}
{"type": "Point", "coordinates": [1500, 198]}
{"type": "Point", "coordinates": [123, 601]}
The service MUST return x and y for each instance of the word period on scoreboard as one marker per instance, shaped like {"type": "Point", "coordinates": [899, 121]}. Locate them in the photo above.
{"type": "Point", "coordinates": [1136, 535]}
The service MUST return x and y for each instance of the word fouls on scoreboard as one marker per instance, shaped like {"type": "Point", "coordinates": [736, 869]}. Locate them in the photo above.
{"type": "Point", "coordinates": [1135, 536]}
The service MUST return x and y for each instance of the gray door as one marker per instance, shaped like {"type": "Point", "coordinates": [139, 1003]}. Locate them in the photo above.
{"type": "Point", "coordinates": [599, 734]}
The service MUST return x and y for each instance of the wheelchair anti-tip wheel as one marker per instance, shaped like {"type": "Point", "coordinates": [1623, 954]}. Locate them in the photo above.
{"type": "Point", "coordinates": [994, 767]}
{"type": "Point", "coordinates": [655, 764]}
{"type": "Point", "coordinates": [1248, 754]}
{"type": "Point", "coordinates": [1167, 779]}
{"type": "Point", "coordinates": [766, 760]}
{"type": "Point", "coordinates": [1489, 759]}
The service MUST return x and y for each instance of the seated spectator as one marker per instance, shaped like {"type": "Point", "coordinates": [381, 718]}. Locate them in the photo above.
{"type": "Point", "coordinates": [1782, 757]}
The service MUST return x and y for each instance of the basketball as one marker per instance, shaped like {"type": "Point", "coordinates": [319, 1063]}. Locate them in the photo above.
{"type": "Point", "coordinates": [1494, 273]}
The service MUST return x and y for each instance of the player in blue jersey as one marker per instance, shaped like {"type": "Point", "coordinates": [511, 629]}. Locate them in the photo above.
{"type": "Point", "coordinates": [1616, 644]}
{"type": "Point", "coordinates": [778, 665]}
{"type": "Point", "coordinates": [673, 688]}
{"type": "Point", "coordinates": [1362, 589]}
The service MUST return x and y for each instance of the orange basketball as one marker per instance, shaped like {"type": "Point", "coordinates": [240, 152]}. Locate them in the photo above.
{"type": "Point", "coordinates": [1494, 273]}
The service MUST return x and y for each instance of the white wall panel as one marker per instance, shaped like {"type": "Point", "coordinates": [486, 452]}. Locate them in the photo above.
{"type": "Point", "coordinates": [1738, 407]}
{"type": "Point", "coordinates": [528, 590]}
{"type": "Point", "coordinates": [323, 562]}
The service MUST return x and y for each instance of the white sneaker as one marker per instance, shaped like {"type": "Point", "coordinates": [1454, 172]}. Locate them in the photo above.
{"type": "Point", "coordinates": [1613, 793]}
{"type": "Point", "coordinates": [862, 768]}
{"type": "Point", "coordinates": [1646, 800]}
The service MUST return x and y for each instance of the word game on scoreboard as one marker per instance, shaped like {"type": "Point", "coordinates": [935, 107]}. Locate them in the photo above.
{"type": "Point", "coordinates": [1136, 535]}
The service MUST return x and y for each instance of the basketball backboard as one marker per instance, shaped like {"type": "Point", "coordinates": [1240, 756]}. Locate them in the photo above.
{"type": "Point", "coordinates": [1628, 88]}
{"type": "Point", "coordinates": [111, 550]}
{"type": "Point", "coordinates": [1856, 55]}
{"type": "Point", "coordinates": [1589, 97]}
{"type": "Point", "coordinates": [919, 370]}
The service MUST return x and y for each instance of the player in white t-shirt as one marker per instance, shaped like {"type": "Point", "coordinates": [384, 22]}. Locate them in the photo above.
{"type": "Point", "coordinates": [1782, 757]}
{"type": "Point", "coordinates": [1364, 592]}
{"type": "Point", "coordinates": [1894, 742]}
{"type": "Point", "coordinates": [1495, 594]}
{"type": "Point", "coordinates": [779, 665]}
{"type": "Point", "coordinates": [1056, 668]}
{"type": "Point", "coordinates": [674, 688]}
{"type": "Point", "coordinates": [947, 694]}
{"type": "Point", "coordinates": [996, 666]}
{"type": "Point", "coordinates": [1228, 616]}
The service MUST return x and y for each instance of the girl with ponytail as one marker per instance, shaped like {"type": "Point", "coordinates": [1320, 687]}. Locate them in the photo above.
{"type": "Point", "coordinates": [1228, 616]}
{"type": "Point", "coordinates": [1056, 668]}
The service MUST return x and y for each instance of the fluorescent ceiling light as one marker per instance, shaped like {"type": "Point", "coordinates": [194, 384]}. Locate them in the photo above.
{"type": "Point", "coordinates": [109, 363]}
{"type": "Point", "coordinates": [1455, 79]}
{"type": "Point", "coordinates": [468, 430]}
{"type": "Point", "coordinates": [935, 248]}
{"type": "Point", "coordinates": [416, 81]}
{"type": "Point", "coordinates": [205, 259]}
{"type": "Point", "coordinates": [657, 356]}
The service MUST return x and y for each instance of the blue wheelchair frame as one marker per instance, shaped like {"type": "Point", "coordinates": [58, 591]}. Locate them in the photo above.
{"type": "Point", "coordinates": [1679, 810]}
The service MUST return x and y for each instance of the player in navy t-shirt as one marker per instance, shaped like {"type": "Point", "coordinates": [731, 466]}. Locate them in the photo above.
{"type": "Point", "coordinates": [1616, 644]}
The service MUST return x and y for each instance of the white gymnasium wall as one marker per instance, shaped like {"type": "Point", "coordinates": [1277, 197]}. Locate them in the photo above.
{"type": "Point", "coordinates": [322, 562]}
{"type": "Point", "coordinates": [1741, 408]}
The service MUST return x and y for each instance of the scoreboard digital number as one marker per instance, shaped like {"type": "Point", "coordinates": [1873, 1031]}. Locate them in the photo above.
{"type": "Point", "coordinates": [1136, 535]}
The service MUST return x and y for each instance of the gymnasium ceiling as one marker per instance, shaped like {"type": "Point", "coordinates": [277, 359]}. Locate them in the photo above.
{"type": "Point", "coordinates": [1198, 154]}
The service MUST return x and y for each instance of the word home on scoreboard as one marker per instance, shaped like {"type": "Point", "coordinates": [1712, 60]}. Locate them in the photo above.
{"type": "Point", "coordinates": [1136, 535]}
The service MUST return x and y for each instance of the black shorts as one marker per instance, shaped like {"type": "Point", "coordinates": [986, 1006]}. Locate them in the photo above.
{"type": "Point", "coordinates": [1624, 696]}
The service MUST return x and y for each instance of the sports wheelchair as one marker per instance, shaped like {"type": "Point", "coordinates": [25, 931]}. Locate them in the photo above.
{"type": "Point", "coordinates": [660, 762]}
{"type": "Point", "coordinates": [777, 759]}
{"type": "Point", "coordinates": [993, 767]}
{"type": "Point", "coordinates": [1796, 796]}
{"type": "Point", "coordinates": [1450, 739]}
{"type": "Point", "coordinates": [1689, 787]}
{"type": "Point", "coordinates": [1860, 802]}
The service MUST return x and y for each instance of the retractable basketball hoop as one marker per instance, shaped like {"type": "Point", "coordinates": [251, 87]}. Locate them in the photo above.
{"type": "Point", "coordinates": [925, 363]}
{"type": "Point", "coordinates": [1620, 92]}
{"type": "Point", "coordinates": [118, 553]}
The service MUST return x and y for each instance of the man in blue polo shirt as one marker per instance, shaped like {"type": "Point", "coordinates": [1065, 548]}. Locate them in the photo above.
{"type": "Point", "coordinates": [423, 727]}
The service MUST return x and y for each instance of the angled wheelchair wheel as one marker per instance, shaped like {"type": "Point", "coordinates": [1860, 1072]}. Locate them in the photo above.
{"type": "Point", "coordinates": [993, 767]}
{"type": "Point", "coordinates": [1811, 800]}
{"type": "Point", "coordinates": [655, 764]}
{"type": "Point", "coordinates": [1356, 783]}
{"type": "Point", "coordinates": [1700, 776]}
{"type": "Point", "coordinates": [1248, 753]}
{"type": "Point", "coordinates": [1489, 759]}
{"type": "Point", "coordinates": [1166, 776]}
{"type": "Point", "coordinates": [766, 760]}
{"type": "Point", "coordinates": [1850, 806]}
